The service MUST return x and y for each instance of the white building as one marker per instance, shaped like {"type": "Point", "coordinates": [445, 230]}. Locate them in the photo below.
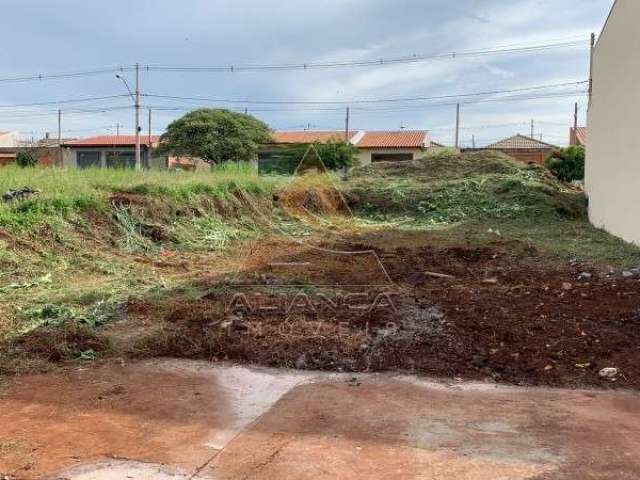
{"type": "Point", "coordinates": [9, 139]}
{"type": "Point", "coordinates": [613, 145]}
{"type": "Point", "coordinates": [372, 146]}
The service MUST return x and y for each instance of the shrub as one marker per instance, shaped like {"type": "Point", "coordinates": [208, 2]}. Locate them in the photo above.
{"type": "Point", "coordinates": [333, 155]}
{"type": "Point", "coordinates": [337, 154]}
{"type": "Point", "coordinates": [26, 159]}
{"type": "Point", "coordinates": [567, 163]}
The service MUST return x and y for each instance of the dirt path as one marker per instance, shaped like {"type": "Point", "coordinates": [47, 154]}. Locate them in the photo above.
{"type": "Point", "coordinates": [183, 419]}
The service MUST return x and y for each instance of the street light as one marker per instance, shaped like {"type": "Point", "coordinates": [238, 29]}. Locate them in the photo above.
{"type": "Point", "coordinates": [126, 84]}
{"type": "Point", "coordinates": [136, 101]}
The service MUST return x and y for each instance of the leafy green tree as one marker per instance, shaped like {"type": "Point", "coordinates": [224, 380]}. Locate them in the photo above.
{"type": "Point", "coordinates": [567, 163]}
{"type": "Point", "coordinates": [337, 154]}
{"type": "Point", "coordinates": [215, 136]}
{"type": "Point", "coordinates": [26, 159]}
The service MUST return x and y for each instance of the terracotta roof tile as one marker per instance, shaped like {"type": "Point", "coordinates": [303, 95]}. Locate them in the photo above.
{"type": "Point", "coordinates": [309, 136]}
{"type": "Point", "coordinates": [581, 135]}
{"type": "Point", "coordinates": [403, 139]}
{"type": "Point", "coordinates": [520, 142]}
{"type": "Point", "coordinates": [112, 140]}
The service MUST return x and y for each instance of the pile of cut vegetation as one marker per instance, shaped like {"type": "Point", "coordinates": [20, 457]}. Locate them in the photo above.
{"type": "Point", "coordinates": [449, 188]}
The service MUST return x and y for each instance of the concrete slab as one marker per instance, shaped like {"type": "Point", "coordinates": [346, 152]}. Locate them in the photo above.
{"type": "Point", "coordinates": [191, 420]}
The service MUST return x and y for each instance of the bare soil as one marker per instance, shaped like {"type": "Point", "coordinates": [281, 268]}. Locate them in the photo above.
{"type": "Point", "coordinates": [499, 312]}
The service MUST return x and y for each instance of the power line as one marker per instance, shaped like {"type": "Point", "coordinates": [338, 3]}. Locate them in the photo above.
{"type": "Point", "coordinates": [396, 109]}
{"type": "Point", "coordinates": [414, 58]}
{"type": "Point", "coordinates": [63, 75]}
{"type": "Point", "coordinates": [362, 101]}
{"type": "Point", "coordinates": [28, 114]}
{"type": "Point", "coordinates": [365, 63]}
{"type": "Point", "coordinates": [61, 102]}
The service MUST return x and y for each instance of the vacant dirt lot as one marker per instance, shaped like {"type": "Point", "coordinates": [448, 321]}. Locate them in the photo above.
{"type": "Point", "coordinates": [499, 311]}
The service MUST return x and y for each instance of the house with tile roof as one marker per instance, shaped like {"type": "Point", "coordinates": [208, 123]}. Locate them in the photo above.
{"type": "Point", "coordinates": [373, 146]}
{"type": "Point", "coordinates": [578, 136]}
{"type": "Point", "coordinates": [111, 151]}
{"type": "Point", "coordinates": [524, 149]}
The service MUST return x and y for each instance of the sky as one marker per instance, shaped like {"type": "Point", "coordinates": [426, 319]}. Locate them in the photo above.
{"type": "Point", "coordinates": [44, 37]}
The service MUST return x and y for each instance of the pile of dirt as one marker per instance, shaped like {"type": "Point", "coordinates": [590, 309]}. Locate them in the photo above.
{"type": "Point", "coordinates": [68, 341]}
{"type": "Point", "coordinates": [302, 199]}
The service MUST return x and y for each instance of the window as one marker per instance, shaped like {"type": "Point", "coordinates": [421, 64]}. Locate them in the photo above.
{"type": "Point", "coordinates": [391, 157]}
{"type": "Point", "coordinates": [88, 160]}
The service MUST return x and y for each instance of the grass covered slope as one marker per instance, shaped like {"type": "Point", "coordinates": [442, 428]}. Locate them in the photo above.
{"type": "Point", "coordinates": [100, 245]}
{"type": "Point", "coordinates": [69, 192]}
{"type": "Point", "coordinates": [73, 255]}
{"type": "Point", "coordinates": [466, 195]}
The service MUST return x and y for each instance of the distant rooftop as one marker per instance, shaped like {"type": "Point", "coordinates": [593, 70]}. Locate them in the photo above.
{"type": "Point", "coordinates": [520, 142]}
{"type": "Point", "coordinates": [112, 141]}
{"type": "Point", "coordinates": [309, 136]}
{"type": "Point", "coordinates": [361, 139]}
{"type": "Point", "coordinates": [401, 139]}
{"type": "Point", "coordinates": [581, 135]}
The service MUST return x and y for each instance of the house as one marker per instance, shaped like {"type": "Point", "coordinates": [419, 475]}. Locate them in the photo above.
{"type": "Point", "coordinates": [308, 137]}
{"type": "Point", "coordinates": [8, 147]}
{"type": "Point", "coordinates": [9, 139]}
{"type": "Point", "coordinates": [111, 151]}
{"type": "Point", "coordinates": [612, 169]}
{"type": "Point", "coordinates": [390, 146]}
{"type": "Point", "coordinates": [373, 146]}
{"type": "Point", "coordinates": [524, 149]}
{"type": "Point", "coordinates": [45, 150]}
{"type": "Point", "coordinates": [578, 136]}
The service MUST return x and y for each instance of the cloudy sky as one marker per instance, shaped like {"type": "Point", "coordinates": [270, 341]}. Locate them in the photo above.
{"type": "Point", "coordinates": [44, 37]}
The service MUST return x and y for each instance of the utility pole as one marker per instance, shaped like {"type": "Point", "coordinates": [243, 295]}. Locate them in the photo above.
{"type": "Point", "coordinates": [473, 141]}
{"type": "Point", "coordinates": [60, 158]}
{"type": "Point", "coordinates": [532, 129]}
{"type": "Point", "coordinates": [574, 136]}
{"type": "Point", "coordinates": [118, 129]}
{"type": "Point", "coordinates": [457, 125]}
{"type": "Point", "coordinates": [346, 125]}
{"type": "Point", "coordinates": [593, 46]}
{"type": "Point", "coordinates": [150, 144]}
{"type": "Point", "coordinates": [138, 159]}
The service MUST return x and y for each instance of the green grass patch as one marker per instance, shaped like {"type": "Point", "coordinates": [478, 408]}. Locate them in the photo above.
{"type": "Point", "coordinates": [68, 192]}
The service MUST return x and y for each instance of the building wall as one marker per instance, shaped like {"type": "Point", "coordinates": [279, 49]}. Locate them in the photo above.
{"type": "Point", "coordinates": [70, 156]}
{"type": "Point", "coordinates": [613, 146]}
{"type": "Point", "coordinates": [533, 155]}
{"type": "Point", "coordinates": [9, 139]}
{"type": "Point", "coordinates": [364, 155]}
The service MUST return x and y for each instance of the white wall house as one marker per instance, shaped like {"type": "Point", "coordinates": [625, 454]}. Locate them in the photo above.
{"type": "Point", "coordinates": [110, 151]}
{"type": "Point", "coordinates": [613, 145]}
{"type": "Point", "coordinates": [9, 139]}
{"type": "Point", "coordinates": [372, 146]}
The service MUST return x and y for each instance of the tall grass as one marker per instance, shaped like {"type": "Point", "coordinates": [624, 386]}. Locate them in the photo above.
{"type": "Point", "coordinates": [68, 191]}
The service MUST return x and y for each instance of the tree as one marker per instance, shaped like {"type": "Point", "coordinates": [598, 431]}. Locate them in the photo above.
{"type": "Point", "coordinates": [26, 158]}
{"type": "Point", "coordinates": [567, 163]}
{"type": "Point", "coordinates": [337, 154]}
{"type": "Point", "coordinates": [215, 136]}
